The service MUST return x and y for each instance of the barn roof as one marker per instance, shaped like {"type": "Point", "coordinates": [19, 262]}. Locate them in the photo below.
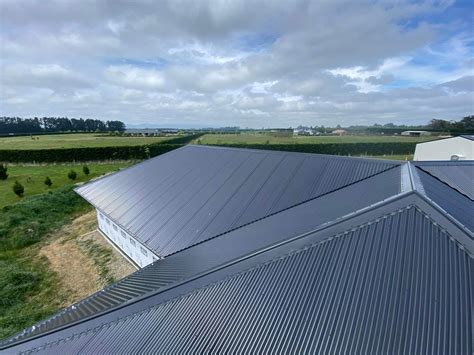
{"type": "Point", "coordinates": [197, 192]}
{"type": "Point", "coordinates": [374, 282]}
{"type": "Point", "coordinates": [389, 253]}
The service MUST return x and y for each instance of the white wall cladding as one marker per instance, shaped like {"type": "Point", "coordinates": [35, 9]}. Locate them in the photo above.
{"type": "Point", "coordinates": [444, 149]}
{"type": "Point", "coordinates": [140, 254]}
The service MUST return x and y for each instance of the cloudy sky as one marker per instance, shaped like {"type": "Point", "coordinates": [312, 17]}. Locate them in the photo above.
{"type": "Point", "coordinates": [238, 63]}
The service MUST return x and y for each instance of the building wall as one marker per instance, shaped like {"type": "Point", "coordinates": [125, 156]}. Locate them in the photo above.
{"type": "Point", "coordinates": [444, 149]}
{"type": "Point", "coordinates": [140, 254]}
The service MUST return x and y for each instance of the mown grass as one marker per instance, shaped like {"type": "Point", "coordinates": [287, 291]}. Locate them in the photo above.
{"type": "Point", "coordinates": [79, 140]}
{"type": "Point", "coordinates": [32, 177]}
{"type": "Point", "coordinates": [28, 288]}
{"type": "Point", "coordinates": [259, 138]}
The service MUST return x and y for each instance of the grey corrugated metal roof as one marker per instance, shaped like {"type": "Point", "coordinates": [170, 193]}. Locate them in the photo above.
{"type": "Point", "coordinates": [399, 283]}
{"type": "Point", "coordinates": [470, 137]}
{"type": "Point", "coordinates": [450, 200]}
{"type": "Point", "coordinates": [457, 174]}
{"type": "Point", "coordinates": [318, 221]}
{"type": "Point", "coordinates": [191, 194]}
{"type": "Point", "coordinates": [234, 244]}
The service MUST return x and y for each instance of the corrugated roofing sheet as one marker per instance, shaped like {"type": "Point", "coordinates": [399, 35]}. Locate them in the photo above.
{"type": "Point", "coordinates": [398, 284]}
{"type": "Point", "coordinates": [453, 202]}
{"type": "Point", "coordinates": [191, 194]}
{"type": "Point", "coordinates": [239, 242]}
{"type": "Point", "coordinates": [457, 174]}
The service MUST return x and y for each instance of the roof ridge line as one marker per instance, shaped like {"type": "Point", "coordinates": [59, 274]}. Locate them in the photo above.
{"type": "Point", "coordinates": [446, 213]}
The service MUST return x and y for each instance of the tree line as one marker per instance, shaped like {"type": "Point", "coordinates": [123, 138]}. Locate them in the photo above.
{"type": "Point", "coordinates": [57, 124]}
{"type": "Point", "coordinates": [467, 123]}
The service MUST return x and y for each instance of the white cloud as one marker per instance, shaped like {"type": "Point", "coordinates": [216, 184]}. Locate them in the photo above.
{"type": "Point", "coordinates": [131, 77]}
{"type": "Point", "coordinates": [248, 63]}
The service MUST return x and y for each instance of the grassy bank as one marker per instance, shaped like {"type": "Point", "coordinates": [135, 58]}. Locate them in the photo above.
{"type": "Point", "coordinates": [79, 140]}
{"type": "Point", "coordinates": [32, 177]}
{"type": "Point", "coordinates": [28, 288]}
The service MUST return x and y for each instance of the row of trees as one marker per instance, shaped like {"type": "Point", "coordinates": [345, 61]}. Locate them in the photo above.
{"type": "Point", "coordinates": [57, 124]}
{"type": "Point", "coordinates": [467, 123]}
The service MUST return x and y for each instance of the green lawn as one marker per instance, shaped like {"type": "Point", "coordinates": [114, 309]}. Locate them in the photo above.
{"type": "Point", "coordinates": [258, 138]}
{"type": "Point", "coordinates": [32, 177]}
{"type": "Point", "coordinates": [79, 140]}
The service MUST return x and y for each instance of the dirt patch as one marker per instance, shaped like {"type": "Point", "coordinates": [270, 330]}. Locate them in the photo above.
{"type": "Point", "coordinates": [84, 261]}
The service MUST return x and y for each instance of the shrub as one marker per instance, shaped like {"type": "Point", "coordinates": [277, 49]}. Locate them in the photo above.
{"type": "Point", "coordinates": [72, 175]}
{"type": "Point", "coordinates": [18, 188]}
{"type": "Point", "coordinates": [85, 170]}
{"type": "Point", "coordinates": [3, 172]}
{"type": "Point", "coordinates": [48, 181]}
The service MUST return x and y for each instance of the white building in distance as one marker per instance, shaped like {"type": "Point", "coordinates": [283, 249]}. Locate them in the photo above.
{"type": "Point", "coordinates": [415, 133]}
{"type": "Point", "coordinates": [454, 148]}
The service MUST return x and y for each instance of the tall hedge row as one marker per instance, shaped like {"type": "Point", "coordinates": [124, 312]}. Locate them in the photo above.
{"type": "Point", "coordinates": [86, 154]}
{"type": "Point", "coordinates": [95, 153]}
{"type": "Point", "coordinates": [148, 151]}
{"type": "Point", "coordinates": [336, 148]}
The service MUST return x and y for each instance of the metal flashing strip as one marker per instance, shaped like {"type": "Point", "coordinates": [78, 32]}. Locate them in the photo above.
{"type": "Point", "coordinates": [415, 179]}
{"type": "Point", "coordinates": [467, 238]}
{"type": "Point", "coordinates": [406, 183]}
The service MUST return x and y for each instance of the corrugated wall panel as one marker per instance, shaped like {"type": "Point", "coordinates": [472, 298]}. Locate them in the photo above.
{"type": "Point", "coordinates": [400, 284]}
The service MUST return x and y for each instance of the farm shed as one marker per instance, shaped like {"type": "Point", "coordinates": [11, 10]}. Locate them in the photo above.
{"type": "Point", "coordinates": [454, 148]}
{"type": "Point", "coordinates": [415, 133]}
{"type": "Point", "coordinates": [381, 262]}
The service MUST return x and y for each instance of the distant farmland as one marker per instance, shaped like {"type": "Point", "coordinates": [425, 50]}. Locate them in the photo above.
{"type": "Point", "coordinates": [80, 140]}
{"type": "Point", "coordinates": [259, 138]}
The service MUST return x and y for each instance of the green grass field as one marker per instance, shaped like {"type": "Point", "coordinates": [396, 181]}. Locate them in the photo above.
{"type": "Point", "coordinates": [32, 178]}
{"type": "Point", "coordinates": [258, 138]}
{"type": "Point", "coordinates": [28, 287]}
{"type": "Point", "coordinates": [80, 140]}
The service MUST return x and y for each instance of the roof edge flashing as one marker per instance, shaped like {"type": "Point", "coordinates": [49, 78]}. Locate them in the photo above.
{"type": "Point", "coordinates": [406, 179]}
{"type": "Point", "coordinates": [468, 244]}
